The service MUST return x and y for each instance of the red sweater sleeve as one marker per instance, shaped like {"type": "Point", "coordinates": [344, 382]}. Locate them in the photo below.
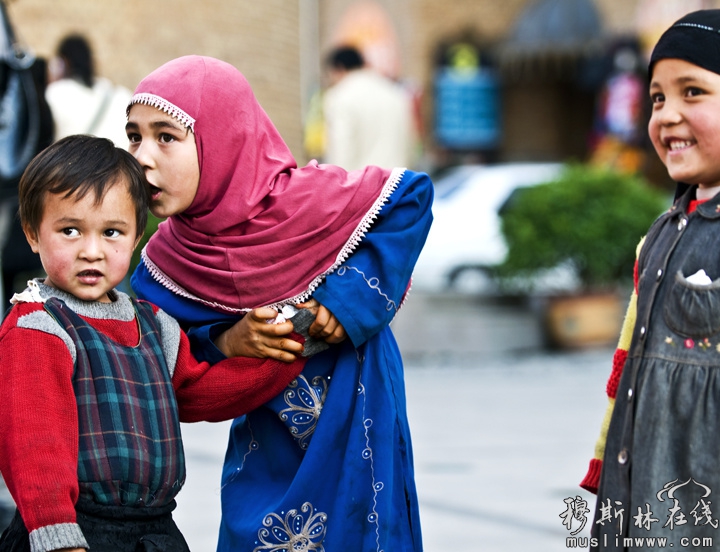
{"type": "Point", "coordinates": [230, 388]}
{"type": "Point", "coordinates": [39, 429]}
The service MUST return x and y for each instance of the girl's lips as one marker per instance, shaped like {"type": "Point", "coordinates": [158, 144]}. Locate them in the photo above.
{"type": "Point", "coordinates": [154, 192]}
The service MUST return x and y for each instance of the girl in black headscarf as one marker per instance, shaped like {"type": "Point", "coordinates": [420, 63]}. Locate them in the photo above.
{"type": "Point", "coordinates": [656, 468]}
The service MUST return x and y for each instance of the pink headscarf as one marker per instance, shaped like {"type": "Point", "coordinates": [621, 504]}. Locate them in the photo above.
{"type": "Point", "coordinates": [260, 231]}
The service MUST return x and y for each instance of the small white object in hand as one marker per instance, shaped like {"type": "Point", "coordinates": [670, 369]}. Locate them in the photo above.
{"type": "Point", "coordinates": [288, 311]}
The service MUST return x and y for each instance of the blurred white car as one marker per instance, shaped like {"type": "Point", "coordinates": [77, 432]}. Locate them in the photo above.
{"type": "Point", "coordinates": [465, 237]}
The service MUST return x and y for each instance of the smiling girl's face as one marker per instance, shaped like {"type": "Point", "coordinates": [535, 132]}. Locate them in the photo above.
{"type": "Point", "coordinates": [168, 154]}
{"type": "Point", "coordinates": [685, 122]}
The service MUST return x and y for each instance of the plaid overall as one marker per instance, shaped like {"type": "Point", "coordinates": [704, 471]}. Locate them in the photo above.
{"type": "Point", "coordinates": [130, 445]}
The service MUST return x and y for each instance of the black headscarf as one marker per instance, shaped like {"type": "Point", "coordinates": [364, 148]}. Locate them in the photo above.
{"type": "Point", "coordinates": [694, 38]}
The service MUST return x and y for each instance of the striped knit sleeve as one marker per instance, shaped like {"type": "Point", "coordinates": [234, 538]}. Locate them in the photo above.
{"type": "Point", "coordinates": [592, 478]}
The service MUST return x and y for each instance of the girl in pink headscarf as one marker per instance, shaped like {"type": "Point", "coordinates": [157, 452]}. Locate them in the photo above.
{"type": "Point", "coordinates": [247, 231]}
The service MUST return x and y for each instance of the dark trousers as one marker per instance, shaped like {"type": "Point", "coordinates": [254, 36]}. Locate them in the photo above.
{"type": "Point", "coordinates": [112, 529]}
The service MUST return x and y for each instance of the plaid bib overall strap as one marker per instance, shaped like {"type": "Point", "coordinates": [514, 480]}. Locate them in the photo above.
{"type": "Point", "coordinates": [130, 444]}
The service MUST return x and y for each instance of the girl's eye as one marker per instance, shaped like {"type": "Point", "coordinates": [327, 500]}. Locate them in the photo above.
{"type": "Point", "coordinates": [692, 91]}
{"type": "Point", "coordinates": [112, 233]}
{"type": "Point", "coordinates": [167, 138]}
{"type": "Point", "coordinates": [657, 98]}
{"type": "Point", "coordinates": [70, 232]}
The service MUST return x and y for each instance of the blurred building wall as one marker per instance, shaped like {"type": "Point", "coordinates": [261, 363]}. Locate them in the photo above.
{"type": "Point", "coordinates": [279, 45]}
{"type": "Point", "coordinates": [560, 114]}
{"type": "Point", "coordinates": [422, 24]}
{"type": "Point", "coordinates": [132, 37]}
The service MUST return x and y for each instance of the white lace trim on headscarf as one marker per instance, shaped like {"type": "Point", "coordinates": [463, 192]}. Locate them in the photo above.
{"type": "Point", "coordinates": [163, 105]}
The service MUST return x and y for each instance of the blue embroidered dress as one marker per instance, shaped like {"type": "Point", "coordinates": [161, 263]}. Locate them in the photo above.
{"type": "Point", "coordinates": [327, 465]}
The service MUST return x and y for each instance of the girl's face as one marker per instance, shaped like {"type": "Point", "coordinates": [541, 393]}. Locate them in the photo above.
{"type": "Point", "coordinates": [167, 152]}
{"type": "Point", "coordinates": [85, 247]}
{"type": "Point", "coordinates": [685, 122]}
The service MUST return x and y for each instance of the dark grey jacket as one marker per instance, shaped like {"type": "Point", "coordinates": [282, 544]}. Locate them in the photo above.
{"type": "Point", "coordinates": [662, 458]}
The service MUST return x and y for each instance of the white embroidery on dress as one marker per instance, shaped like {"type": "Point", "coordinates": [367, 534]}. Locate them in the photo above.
{"type": "Point", "coordinates": [253, 445]}
{"type": "Point", "coordinates": [367, 454]}
{"type": "Point", "coordinates": [373, 283]}
{"type": "Point", "coordinates": [293, 533]}
{"type": "Point", "coordinates": [305, 401]}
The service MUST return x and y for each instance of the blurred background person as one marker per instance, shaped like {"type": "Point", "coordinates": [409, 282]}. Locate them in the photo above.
{"type": "Point", "coordinates": [26, 129]}
{"type": "Point", "coordinates": [368, 117]}
{"type": "Point", "coordinates": [18, 261]}
{"type": "Point", "coordinates": [620, 136]}
{"type": "Point", "coordinates": [80, 101]}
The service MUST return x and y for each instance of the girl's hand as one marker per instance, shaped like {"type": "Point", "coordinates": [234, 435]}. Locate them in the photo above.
{"type": "Point", "coordinates": [252, 336]}
{"type": "Point", "coordinates": [326, 326]}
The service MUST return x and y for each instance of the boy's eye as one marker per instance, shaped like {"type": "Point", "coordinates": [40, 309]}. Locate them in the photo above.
{"type": "Point", "coordinates": [657, 98]}
{"type": "Point", "coordinates": [133, 137]}
{"type": "Point", "coordinates": [71, 232]}
{"type": "Point", "coordinates": [693, 91]}
{"type": "Point", "coordinates": [112, 233]}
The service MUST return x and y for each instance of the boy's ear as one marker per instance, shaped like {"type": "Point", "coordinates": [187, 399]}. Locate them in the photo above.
{"type": "Point", "coordinates": [31, 237]}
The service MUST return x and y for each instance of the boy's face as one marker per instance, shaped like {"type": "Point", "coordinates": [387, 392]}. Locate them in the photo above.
{"type": "Point", "coordinates": [685, 122]}
{"type": "Point", "coordinates": [168, 154]}
{"type": "Point", "coordinates": [86, 248]}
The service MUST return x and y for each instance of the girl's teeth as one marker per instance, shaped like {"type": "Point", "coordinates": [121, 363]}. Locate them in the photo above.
{"type": "Point", "coordinates": [679, 145]}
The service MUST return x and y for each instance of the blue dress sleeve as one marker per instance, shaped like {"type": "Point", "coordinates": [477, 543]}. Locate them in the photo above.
{"type": "Point", "coordinates": [365, 292]}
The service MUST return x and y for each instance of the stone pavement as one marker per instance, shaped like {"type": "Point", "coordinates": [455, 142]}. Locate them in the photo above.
{"type": "Point", "coordinates": [502, 430]}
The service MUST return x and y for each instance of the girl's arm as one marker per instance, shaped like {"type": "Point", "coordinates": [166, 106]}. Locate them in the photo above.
{"type": "Point", "coordinates": [227, 389]}
{"type": "Point", "coordinates": [591, 481]}
{"type": "Point", "coordinates": [365, 293]}
{"type": "Point", "coordinates": [205, 327]}
{"type": "Point", "coordinates": [253, 337]}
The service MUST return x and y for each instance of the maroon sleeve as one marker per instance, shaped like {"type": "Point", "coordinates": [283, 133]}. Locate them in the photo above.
{"type": "Point", "coordinates": [230, 388]}
{"type": "Point", "coordinates": [39, 429]}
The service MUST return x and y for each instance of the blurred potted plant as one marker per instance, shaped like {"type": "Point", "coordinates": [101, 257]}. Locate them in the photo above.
{"type": "Point", "coordinates": [589, 219]}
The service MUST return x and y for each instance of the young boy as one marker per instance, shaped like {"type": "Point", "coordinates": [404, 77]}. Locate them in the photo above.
{"type": "Point", "coordinates": [95, 382]}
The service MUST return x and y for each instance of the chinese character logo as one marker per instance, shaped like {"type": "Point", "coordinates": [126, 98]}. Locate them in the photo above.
{"type": "Point", "coordinates": [575, 509]}
{"type": "Point", "coordinates": [678, 497]}
{"type": "Point", "coordinates": [702, 514]}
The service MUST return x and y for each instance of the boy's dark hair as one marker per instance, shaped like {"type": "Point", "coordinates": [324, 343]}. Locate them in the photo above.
{"type": "Point", "coordinates": [345, 57]}
{"type": "Point", "coordinates": [75, 166]}
{"type": "Point", "coordinates": [77, 55]}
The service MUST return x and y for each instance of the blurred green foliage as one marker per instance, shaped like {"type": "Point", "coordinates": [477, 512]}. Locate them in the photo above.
{"type": "Point", "coordinates": [150, 229]}
{"type": "Point", "coordinates": [589, 217]}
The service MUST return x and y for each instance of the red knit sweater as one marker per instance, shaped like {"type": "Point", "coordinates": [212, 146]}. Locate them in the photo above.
{"type": "Point", "coordinates": [39, 429]}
